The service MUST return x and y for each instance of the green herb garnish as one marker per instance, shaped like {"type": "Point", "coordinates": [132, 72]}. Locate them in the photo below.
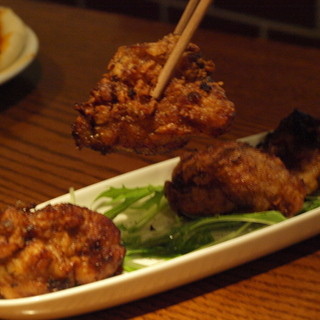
{"type": "Point", "coordinates": [149, 228]}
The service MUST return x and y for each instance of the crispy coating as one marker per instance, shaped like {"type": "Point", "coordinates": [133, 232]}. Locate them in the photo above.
{"type": "Point", "coordinates": [233, 177]}
{"type": "Point", "coordinates": [54, 248]}
{"type": "Point", "coordinates": [296, 141]}
{"type": "Point", "coordinates": [121, 114]}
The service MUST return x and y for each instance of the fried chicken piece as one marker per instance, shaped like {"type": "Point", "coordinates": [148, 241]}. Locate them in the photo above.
{"type": "Point", "coordinates": [296, 141]}
{"type": "Point", "coordinates": [54, 248]}
{"type": "Point", "coordinates": [121, 114]}
{"type": "Point", "coordinates": [233, 177]}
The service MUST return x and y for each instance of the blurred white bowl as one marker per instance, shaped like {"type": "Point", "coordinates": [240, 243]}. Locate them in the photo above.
{"type": "Point", "coordinates": [18, 44]}
{"type": "Point", "coordinates": [27, 55]}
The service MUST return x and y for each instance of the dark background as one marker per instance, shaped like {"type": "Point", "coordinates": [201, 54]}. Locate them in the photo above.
{"type": "Point", "coordinates": [294, 21]}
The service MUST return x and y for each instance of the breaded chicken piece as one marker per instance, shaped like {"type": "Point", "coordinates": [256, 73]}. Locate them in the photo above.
{"type": "Point", "coordinates": [296, 141]}
{"type": "Point", "coordinates": [233, 177]}
{"type": "Point", "coordinates": [121, 113]}
{"type": "Point", "coordinates": [54, 248]}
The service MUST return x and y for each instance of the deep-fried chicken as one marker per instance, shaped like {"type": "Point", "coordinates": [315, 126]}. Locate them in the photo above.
{"type": "Point", "coordinates": [54, 248]}
{"type": "Point", "coordinates": [233, 177]}
{"type": "Point", "coordinates": [296, 141]}
{"type": "Point", "coordinates": [122, 115]}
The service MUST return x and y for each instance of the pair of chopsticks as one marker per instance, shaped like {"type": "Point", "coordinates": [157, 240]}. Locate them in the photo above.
{"type": "Point", "coordinates": [187, 25]}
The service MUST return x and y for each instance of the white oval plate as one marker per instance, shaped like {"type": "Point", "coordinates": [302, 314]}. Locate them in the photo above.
{"type": "Point", "coordinates": [161, 276]}
{"type": "Point", "coordinates": [27, 55]}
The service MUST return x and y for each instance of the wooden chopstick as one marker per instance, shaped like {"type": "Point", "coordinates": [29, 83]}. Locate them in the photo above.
{"type": "Point", "coordinates": [195, 12]}
{"type": "Point", "coordinates": [186, 15]}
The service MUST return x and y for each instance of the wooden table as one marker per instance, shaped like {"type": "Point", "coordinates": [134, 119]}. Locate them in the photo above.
{"type": "Point", "coordinates": [39, 160]}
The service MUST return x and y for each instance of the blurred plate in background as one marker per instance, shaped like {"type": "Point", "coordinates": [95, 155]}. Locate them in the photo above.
{"type": "Point", "coordinates": [26, 56]}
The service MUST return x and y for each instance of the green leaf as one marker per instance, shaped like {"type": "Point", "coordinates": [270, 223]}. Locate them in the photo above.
{"type": "Point", "coordinates": [123, 198]}
{"type": "Point", "coordinates": [311, 203]}
{"type": "Point", "coordinates": [195, 234]}
{"type": "Point", "coordinates": [152, 229]}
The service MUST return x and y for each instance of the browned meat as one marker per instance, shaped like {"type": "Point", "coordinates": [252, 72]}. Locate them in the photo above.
{"type": "Point", "coordinates": [296, 141]}
{"type": "Point", "coordinates": [233, 177]}
{"type": "Point", "coordinates": [121, 114]}
{"type": "Point", "coordinates": [55, 248]}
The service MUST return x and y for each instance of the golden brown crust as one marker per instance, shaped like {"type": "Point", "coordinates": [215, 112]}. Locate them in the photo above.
{"type": "Point", "coordinates": [54, 248]}
{"type": "Point", "coordinates": [121, 114]}
{"type": "Point", "coordinates": [233, 177]}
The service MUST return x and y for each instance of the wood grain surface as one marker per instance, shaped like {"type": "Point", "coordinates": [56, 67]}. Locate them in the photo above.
{"type": "Point", "coordinates": [39, 160]}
